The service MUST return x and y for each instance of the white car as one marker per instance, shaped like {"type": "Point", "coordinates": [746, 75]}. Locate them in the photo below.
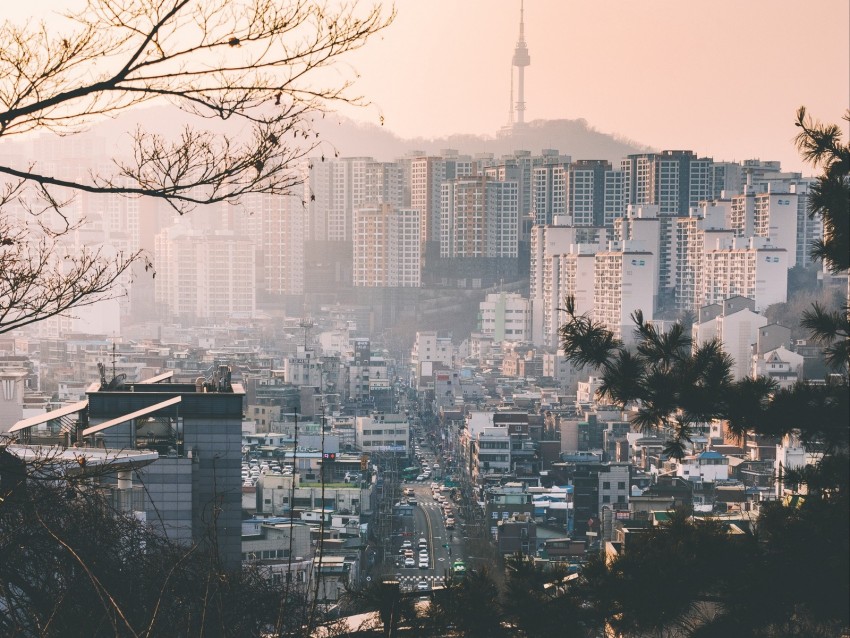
{"type": "Point", "coordinates": [423, 563]}
{"type": "Point", "coordinates": [409, 562]}
{"type": "Point", "coordinates": [423, 585]}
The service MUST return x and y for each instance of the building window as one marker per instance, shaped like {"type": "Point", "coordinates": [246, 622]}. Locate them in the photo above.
{"type": "Point", "coordinates": [606, 485]}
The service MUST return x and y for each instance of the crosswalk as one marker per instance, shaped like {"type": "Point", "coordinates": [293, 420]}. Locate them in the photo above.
{"type": "Point", "coordinates": [412, 580]}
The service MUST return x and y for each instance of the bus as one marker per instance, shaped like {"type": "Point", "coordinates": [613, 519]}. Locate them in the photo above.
{"type": "Point", "coordinates": [458, 569]}
{"type": "Point", "coordinates": [410, 473]}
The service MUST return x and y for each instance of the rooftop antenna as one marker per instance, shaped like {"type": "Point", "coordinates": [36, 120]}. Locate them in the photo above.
{"type": "Point", "coordinates": [113, 357]}
{"type": "Point", "coordinates": [306, 324]}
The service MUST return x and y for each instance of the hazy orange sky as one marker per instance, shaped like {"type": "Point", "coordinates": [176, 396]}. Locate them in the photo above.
{"type": "Point", "coordinates": [720, 77]}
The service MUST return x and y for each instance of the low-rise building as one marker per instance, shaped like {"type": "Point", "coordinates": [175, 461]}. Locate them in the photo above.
{"type": "Point", "coordinates": [517, 534]}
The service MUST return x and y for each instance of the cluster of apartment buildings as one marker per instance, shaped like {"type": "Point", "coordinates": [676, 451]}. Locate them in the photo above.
{"type": "Point", "coordinates": [700, 229]}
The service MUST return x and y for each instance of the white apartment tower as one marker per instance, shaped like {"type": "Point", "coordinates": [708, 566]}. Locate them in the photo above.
{"type": "Point", "coordinates": [695, 236]}
{"type": "Point", "coordinates": [548, 193]}
{"type": "Point", "coordinates": [623, 282]}
{"type": "Point", "coordinates": [337, 187]}
{"type": "Point", "coordinates": [751, 268]}
{"type": "Point", "coordinates": [285, 228]}
{"type": "Point", "coordinates": [771, 215]}
{"type": "Point", "coordinates": [572, 274]}
{"type": "Point", "coordinates": [642, 226]}
{"type": "Point", "coordinates": [204, 276]}
{"type": "Point", "coordinates": [674, 181]}
{"type": "Point", "coordinates": [545, 290]}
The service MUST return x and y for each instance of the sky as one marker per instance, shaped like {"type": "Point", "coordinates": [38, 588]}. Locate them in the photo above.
{"type": "Point", "coordinates": [720, 77]}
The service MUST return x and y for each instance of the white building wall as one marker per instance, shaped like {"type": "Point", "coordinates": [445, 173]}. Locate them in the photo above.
{"type": "Point", "coordinates": [623, 282]}
{"type": "Point", "coordinates": [505, 317]}
{"type": "Point", "coordinates": [738, 332]}
{"type": "Point", "coordinates": [775, 218]}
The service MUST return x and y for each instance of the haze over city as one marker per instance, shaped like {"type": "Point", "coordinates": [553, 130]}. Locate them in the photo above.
{"type": "Point", "coordinates": [548, 337]}
{"type": "Point", "coordinates": [721, 77]}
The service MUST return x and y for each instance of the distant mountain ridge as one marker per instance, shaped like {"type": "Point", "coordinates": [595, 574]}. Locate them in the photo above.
{"type": "Point", "coordinates": [344, 137]}
{"type": "Point", "coordinates": [575, 138]}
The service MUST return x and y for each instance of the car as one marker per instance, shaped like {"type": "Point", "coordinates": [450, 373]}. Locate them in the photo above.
{"type": "Point", "coordinates": [420, 477]}
{"type": "Point", "coordinates": [409, 562]}
{"type": "Point", "coordinates": [423, 563]}
{"type": "Point", "coordinates": [406, 544]}
{"type": "Point", "coordinates": [423, 585]}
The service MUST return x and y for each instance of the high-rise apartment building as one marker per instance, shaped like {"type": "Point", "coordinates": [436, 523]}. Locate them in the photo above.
{"type": "Point", "coordinates": [695, 236]}
{"type": "Point", "coordinates": [386, 247]}
{"type": "Point", "coordinates": [548, 193]}
{"type": "Point", "coordinates": [623, 282]}
{"type": "Point", "coordinates": [771, 215]}
{"type": "Point", "coordinates": [337, 187]}
{"type": "Point", "coordinates": [285, 227]}
{"type": "Point", "coordinates": [202, 276]}
{"type": "Point", "coordinates": [585, 192]}
{"type": "Point", "coordinates": [479, 218]}
{"type": "Point", "coordinates": [674, 181]}
{"type": "Point", "coordinates": [642, 224]}
{"type": "Point", "coordinates": [746, 267]}
{"type": "Point", "coordinates": [572, 274]}
{"type": "Point", "coordinates": [546, 292]}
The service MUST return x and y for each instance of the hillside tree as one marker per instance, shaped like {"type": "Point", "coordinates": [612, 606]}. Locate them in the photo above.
{"type": "Point", "coordinates": [696, 578]}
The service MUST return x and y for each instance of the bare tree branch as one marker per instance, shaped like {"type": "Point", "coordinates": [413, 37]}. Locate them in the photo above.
{"type": "Point", "coordinates": [256, 64]}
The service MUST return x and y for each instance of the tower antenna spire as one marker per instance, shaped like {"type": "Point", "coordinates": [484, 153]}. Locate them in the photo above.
{"type": "Point", "coordinates": [520, 60]}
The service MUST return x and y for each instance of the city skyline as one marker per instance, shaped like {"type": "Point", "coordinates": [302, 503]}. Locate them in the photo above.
{"type": "Point", "coordinates": [724, 78]}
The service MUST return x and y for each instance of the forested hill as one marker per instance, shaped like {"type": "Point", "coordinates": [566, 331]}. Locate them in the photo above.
{"type": "Point", "coordinates": [576, 138]}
